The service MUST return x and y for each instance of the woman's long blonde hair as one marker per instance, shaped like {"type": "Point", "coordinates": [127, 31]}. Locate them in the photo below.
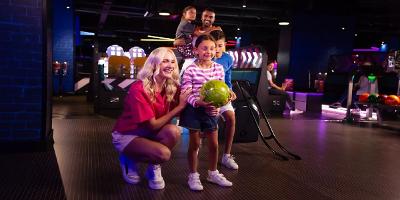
{"type": "Point", "coordinates": [151, 68]}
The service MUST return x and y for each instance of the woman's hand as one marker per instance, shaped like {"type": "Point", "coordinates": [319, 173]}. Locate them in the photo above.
{"type": "Point", "coordinates": [232, 95]}
{"type": "Point", "coordinates": [183, 97]}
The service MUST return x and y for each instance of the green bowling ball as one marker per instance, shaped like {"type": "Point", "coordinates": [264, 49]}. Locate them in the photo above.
{"type": "Point", "coordinates": [373, 98]}
{"type": "Point", "coordinates": [215, 92]}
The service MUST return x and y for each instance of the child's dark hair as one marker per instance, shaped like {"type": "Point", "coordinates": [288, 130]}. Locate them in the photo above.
{"type": "Point", "coordinates": [217, 34]}
{"type": "Point", "coordinates": [202, 38]}
{"type": "Point", "coordinates": [270, 61]}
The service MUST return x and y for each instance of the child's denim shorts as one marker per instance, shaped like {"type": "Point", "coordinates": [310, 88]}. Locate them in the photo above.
{"type": "Point", "coordinates": [197, 119]}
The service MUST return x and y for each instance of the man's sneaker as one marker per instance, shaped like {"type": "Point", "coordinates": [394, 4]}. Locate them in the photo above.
{"type": "Point", "coordinates": [296, 111]}
{"type": "Point", "coordinates": [153, 174]}
{"type": "Point", "coordinates": [229, 162]}
{"type": "Point", "coordinates": [218, 178]}
{"type": "Point", "coordinates": [194, 182]}
{"type": "Point", "coordinates": [129, 170]}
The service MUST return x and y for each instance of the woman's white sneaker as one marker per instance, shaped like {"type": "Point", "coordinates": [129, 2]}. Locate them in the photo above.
{"type": "Point", "coordinates": [129, 170]}
{"type": "Point", "coordinates": [218, 178]}
{"type": "Point", "coordinates": [194, 182]}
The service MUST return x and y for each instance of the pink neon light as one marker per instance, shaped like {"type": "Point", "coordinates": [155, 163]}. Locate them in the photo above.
{"type": "Point", "coordinates": [372, 49]}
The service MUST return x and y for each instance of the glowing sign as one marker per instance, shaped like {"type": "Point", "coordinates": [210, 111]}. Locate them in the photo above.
{"type": "Point", "coordinates": [115, 50]}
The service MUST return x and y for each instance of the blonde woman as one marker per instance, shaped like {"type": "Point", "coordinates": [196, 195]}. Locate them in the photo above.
{"type": "Point", "coordinates": [143, 132]}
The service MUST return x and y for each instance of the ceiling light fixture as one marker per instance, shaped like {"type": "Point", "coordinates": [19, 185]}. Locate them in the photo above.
{"type": "Point", "coordinates": [85, 33]}
{"type": "Point", "coordinates": [284, 23]}
{"type": "Point", "coordinates": [164, 14]}
{"type": "Point", "coordinates": [148, 14]}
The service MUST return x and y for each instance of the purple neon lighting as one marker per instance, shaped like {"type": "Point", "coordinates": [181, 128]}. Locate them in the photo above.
{"type": "Point", "coordinates": [372, 49]}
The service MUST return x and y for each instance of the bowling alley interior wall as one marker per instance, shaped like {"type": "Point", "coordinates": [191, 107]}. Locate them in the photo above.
{"type": "Point", "coordinates": [63, 44]}
{"type": "Point", "coordinates": [313, 39]}
{"type": "Point", "coordinates": [23, 71]}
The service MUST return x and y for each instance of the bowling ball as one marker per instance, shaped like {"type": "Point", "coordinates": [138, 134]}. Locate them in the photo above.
{"type": "Point", "coordinates": [363, 97]}
{"type": "Point", "coordinates": [396, 98]}
{"type": "Point", "coordinates": [215, 92]}
{"type": "Point", "coordinates": [382, 98]}
{"type": "Point", "coordinates": [372, 98]}
{"type": "Point", "coordinates": [392, 100]}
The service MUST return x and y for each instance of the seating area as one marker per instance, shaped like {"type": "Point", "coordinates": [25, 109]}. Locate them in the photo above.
{"type": "Point", "coordinates": [307, 101]}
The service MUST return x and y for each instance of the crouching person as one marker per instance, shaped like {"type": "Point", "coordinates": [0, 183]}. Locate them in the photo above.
{"type": "Point", "coordinates": [143, 132]}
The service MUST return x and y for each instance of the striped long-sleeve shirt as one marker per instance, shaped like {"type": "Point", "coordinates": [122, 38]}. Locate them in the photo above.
{"type": "Point", "coordinates": [194, 77]}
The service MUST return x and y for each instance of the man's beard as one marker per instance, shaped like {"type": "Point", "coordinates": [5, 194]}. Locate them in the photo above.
{"type": "Point", "coordinates": [207, 23]}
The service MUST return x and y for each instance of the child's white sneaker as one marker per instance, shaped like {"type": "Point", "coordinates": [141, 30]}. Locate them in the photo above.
{"type": "Point", "coordinates": [129, 170]}
{"type": "Point", "coordinates": [229, 161]}
{"type": "Point", "coordinates": [153, 174]}
{"type": "Point", "coordinates": [194, 182]}
{"type": "Point", "coordinates": [218, 178]}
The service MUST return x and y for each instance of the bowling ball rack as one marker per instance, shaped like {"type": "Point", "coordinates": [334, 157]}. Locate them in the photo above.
{"type": "Point", "coordinates": [384, 113]}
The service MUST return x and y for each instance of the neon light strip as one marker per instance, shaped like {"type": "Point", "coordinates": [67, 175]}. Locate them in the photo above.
{"type": "Point", "coordinates": [370, 49]}
{"type": "Point", "coordinates": [155, 40]}
{"type": "Point", "coordinates": [159, 37]}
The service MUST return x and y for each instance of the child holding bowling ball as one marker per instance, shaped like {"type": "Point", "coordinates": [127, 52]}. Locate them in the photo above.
{"type": "Point", "coordinates": [200, 116]}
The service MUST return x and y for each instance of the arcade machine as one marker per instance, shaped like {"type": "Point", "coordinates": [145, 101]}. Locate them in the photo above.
{"type": "Point", "coordinates": [59, 73]}
{"type": "Point", "coordinates": [116, 73]}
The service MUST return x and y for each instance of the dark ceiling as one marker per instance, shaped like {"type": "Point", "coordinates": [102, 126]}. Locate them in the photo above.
{"type": "Point", "coordinates": [123, 22]}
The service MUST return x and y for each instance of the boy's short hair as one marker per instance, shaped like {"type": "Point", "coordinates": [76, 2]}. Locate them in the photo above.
{"type": "Point", "coordinates": [218, 35]}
